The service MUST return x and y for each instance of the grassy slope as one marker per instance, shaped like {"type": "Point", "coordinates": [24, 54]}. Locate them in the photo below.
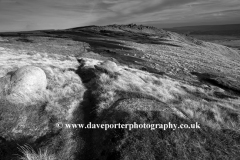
{"type": "Point", "coordinates": [64, 94]}
{"type": "Point", "coordinates": [120, 100]}
{"type": "Point", "coordinates": [162, 77]}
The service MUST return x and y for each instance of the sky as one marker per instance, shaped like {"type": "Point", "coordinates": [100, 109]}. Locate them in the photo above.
{"type": "Point", "coordinates": [22, 15]}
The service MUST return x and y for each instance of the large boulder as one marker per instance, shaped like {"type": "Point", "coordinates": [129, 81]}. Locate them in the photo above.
{"type": "Point", "coordinates": [25, 85]}
{"type": "Point", "coordinates": [35, 124]}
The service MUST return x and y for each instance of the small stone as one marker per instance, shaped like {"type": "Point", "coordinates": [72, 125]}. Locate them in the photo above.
{"type": "Point", "coordinates": [109, 66]}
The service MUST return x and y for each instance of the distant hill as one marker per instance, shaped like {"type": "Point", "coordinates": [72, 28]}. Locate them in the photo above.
{"type": "Point", "coordinates": [230, 29]}
{"type": "Point", "coordinates": [228, 35]}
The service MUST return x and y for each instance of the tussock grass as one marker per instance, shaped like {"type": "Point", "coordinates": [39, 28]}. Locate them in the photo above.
{"type": "Point", "coordinates": [189, 144]}
{"type": "Point", "coordinates": [65, 88]}
{"type": "Point", "coordinates": [63, 96]}
{"type": "Point", "coordinates": [30, 154]}
{"type": "Point", "coordinates": [18, 122]}
{"type": "Point", "coordinates": [218, 115]}
{"type": "Point", "coordinates": [65, 91]}
{"type": "Point", "coordinates": [9, 115]}
{"type": "Point", "coordinates": [18, 119]}
{"type": "Point", "coordinates": [161, 88]}
{"type": "Point", "coordinates": [218, 137]}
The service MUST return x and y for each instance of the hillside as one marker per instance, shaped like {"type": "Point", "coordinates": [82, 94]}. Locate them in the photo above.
{"type": "Point", "coordinates": [120, 74]}
{"type": "Point", "coordinates": [228, 35]}
{"type": "Point", "coordinates": [230, 29]}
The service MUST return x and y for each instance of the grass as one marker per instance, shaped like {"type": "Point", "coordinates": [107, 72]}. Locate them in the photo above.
{"type": "Point", "coordinates": [51, 45]}
{"type": "Point", "coordinates": [120, 100]}
{"type": "Point", "coordinates": [63, 96]}
{"type": "Point", "coordinates": [18, 122]}
{"type": "Point", "coordinates": [128, 95]}
{"type": "Point", "coordinates": [213, 114]}
{"type": "Point", "coordinates": [106, 85]}
{"type": "Point", "coordinates": [30, 154]}
{"type": "Point", "coordinates": [65, 92]}
{"type": "Point", "coordinates": [189, 144]}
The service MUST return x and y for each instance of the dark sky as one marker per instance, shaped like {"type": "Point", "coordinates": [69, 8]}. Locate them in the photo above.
{"type": "Point", "coordinates": [16, 15]}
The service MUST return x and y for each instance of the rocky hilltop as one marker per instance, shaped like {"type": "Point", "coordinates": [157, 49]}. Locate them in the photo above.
{"type": "Point", "coordinates": [117, 74]}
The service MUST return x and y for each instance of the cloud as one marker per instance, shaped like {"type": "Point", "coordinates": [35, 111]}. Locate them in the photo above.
{"type": "Point", "coordinates": [110, 1]}
{"type": "Point", "coordinates": [172, 11]}
{"type": "Point", "coordinates": [37, 14]}
{"type": "Point", "coordinates": [143, 7]}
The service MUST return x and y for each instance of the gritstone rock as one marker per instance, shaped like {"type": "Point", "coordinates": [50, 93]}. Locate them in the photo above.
{"type": "Point", "coordinates": [108, 66]}
{"type": "Point", "coordinates": [24, 85]}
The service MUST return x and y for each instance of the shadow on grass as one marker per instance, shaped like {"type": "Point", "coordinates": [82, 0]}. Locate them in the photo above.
{"type": "Point", "coordinates": [152, 70]}
{"type": "Point", "coordinates": [14, 134]}
{"type": "Point", "coordinates": [221, 82]}
{"type": "Point", "coordinates": [116, 35]}
{"type": "Point", "coordinates": [84, 35]}
{"type": "Point", "coordinates": [84, 114]}
{"type": "Point", "coordinates": [136, 144]}
{"type": "Point", "coordinates": [99, 44]}
{"type": "Point", "coordinates": [10, 149]}
{"type": "Point", "coordinates": [24, 39]}
{"type": "Point", "coordinates": [142, 38]}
